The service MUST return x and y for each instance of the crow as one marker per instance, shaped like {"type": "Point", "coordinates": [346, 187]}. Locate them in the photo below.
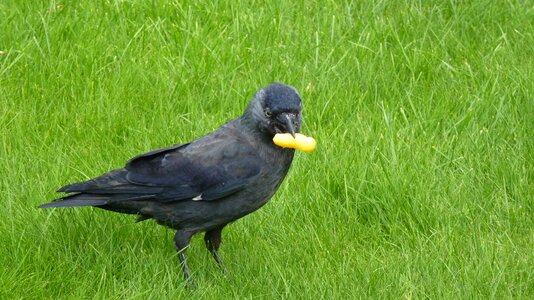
{"type": "Point", "coordinates": [204, 185]}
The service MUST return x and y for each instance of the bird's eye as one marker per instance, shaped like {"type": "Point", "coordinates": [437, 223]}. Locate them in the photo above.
{"type": "Point", "coordinates": [268, 114]}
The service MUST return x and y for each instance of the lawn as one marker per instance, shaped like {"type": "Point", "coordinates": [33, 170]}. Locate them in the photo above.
{"type": "Point", "coordinates": [422, 185]}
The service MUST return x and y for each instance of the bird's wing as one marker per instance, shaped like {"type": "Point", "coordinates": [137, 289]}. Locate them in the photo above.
{"type": "Point", "coordinates": [114, 182]}
{"type": "Point", "coordinates": [209, 168]}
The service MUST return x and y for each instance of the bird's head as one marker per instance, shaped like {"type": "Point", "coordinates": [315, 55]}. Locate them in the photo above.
{"type": "Point", "coordinates": [274, 109]}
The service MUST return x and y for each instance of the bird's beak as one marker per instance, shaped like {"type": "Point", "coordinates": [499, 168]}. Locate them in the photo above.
{"type": "Point", "coordinates": [289, 119]}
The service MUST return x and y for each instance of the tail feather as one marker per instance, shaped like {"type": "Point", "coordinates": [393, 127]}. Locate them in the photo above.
{"type": "Point", "coordinates": [79, 199]}
{"type": "Point", "coordinates": [74, 203]}
{"type": "Point", "coordinates": [113, 182]}
{"type": "Point", "coordinates": [87, 199]}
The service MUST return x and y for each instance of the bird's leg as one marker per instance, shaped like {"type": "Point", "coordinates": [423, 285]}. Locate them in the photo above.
{"type": "Point", "coordinates": [181, 241]}
{"type": "Point", "coordinates": [213, 240]}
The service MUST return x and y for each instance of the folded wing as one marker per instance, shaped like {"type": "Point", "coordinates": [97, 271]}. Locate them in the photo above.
{"type": "Point", "coordinates": [208, 169]}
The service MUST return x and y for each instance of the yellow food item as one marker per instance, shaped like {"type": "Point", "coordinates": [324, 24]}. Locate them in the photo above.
{"type": "Point", "coordinates": [300, 141]}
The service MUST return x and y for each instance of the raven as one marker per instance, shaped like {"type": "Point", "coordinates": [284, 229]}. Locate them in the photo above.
{"type": "Point", "coordinates": [206, 184]}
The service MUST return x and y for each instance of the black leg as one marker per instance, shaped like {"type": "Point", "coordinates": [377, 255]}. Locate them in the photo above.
{"type": "Point", "coordinates": [181, 241]}
{"type": "Point", "coordinates": [213, 240]}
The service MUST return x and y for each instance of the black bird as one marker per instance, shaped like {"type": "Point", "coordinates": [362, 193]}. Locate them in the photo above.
{"type": "Point", "coordinates": [203, 185]}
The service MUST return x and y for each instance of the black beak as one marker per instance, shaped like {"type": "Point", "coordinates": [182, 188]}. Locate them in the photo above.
{"type": "Point", "coordinates": [289, 120]}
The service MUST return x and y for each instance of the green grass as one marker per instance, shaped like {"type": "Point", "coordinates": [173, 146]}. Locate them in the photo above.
{"type": "Point", "coordinates": [421, 186]}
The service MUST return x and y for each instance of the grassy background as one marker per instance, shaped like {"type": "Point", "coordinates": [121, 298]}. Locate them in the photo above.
{"type": "Point", "coordinates": [422, 184]}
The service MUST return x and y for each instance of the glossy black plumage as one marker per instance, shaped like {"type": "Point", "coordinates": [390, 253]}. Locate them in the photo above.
{"type": "Point", "coordinates": [205, 184]}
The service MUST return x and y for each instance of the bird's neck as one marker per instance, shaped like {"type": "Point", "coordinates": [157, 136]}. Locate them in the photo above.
{"type": "Point", "coordinates": [249, 123]}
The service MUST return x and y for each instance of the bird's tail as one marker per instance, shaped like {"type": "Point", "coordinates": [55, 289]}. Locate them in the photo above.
{"type": "Point", "coordinates": [106, 201]}
{"type": "Point", "coordinates": [81, 199]}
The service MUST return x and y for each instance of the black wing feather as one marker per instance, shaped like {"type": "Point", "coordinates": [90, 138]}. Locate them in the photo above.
{"type": "Point", "coordinates": [214, 167]}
